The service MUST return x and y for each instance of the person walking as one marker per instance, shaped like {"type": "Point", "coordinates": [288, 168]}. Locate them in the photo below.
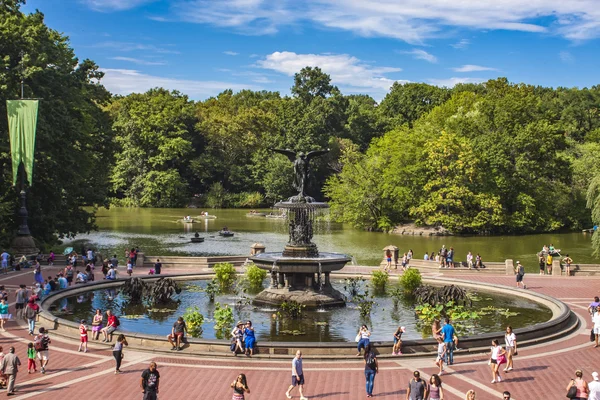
{"type": "Point", "coordinates": [363, 338]}
{"type": "Point", "coordinates": [31, 313]}
{"type": "Point", "coordinates": [41, 344]}
{"type": "Point", "coordinates": [177, 332]}
{"type": "Point", "coordinates": [470, 395]}
{"type": "Point", "coordinates": [297, 377]}
{"type": "Point", "coordinates": [435, 388]}
{"type": "Point", "coordinates": [10, 367]}
{"type": "Point", "coordinates": [497, 357]}
{"type": "Point", "coordinates": [150, 381]}
{"type": "Point", "coordinates": [83, 334]}
{"type": "Point", "coordinates": [371, 368]}
{"type": "Point", "coordinates": [31, 359]}
{"type": "Point", "coordinates": [510, 340]}
{"type": "Point", "coordinates": [3, 313]}
{"type": "Point", "coordinates": [594, 387]}
{"type": "Point", "coordinates": [20, 300]}
{"type": "Point", "coordinates": [417, 388]}
{"type": "Point", "coordinates": [388, 259]}
{"type": "Point", "coordinates": [397, 349]}
{"type": "Point", "coordinates": [118, 352]}
{"type": "Point", "coordinates": [441, 355]}
{"type": "Point", "coordinates": [240, 386]}
{"type": "Point", "coordinates": [448, 334]}
{"type": "Point", "coordinates": [581, 386]}
{"type": "Point", "coordinates": [97, 324]}
{"type": "Point", "coordinates": [520, 273]}
{"type": "Point", "coordinates": [596, 322]}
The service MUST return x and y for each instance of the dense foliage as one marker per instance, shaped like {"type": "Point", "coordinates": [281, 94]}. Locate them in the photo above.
{"type": "Point", "coordinates": [494, 157]}
{"type": "Point", "coordinates": [74, 141]}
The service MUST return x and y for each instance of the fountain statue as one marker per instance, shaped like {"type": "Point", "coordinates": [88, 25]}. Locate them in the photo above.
{"type": "Point", "coordinates": [300, 273]}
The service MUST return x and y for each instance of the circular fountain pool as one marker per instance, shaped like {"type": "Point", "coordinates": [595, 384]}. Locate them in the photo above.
{"type": "Point", "coordinates": [331, 325]}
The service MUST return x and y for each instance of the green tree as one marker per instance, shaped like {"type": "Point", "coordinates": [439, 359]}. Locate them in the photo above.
{"type": "Point", "coordinates": [407, 102]}
{"type": "Point", "coordinates": [311, 82]}
{"type": "Point", "coordinates": [153, 133]}
{"type": "Point", "coordinates": [73, 141]}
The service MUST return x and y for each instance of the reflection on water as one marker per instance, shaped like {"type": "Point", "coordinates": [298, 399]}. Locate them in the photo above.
{"type": "Point", "coordinates": [332, 325]}
{"type": "Point", "coordinates": [159, 232]}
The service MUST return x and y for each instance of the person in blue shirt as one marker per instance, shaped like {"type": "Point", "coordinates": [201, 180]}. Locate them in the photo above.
{"type": "Point", "coordinates": [448, 333]}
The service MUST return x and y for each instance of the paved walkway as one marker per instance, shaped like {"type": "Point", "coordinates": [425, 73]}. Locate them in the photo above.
{"type": "Point", "coordinates": [541, 372]}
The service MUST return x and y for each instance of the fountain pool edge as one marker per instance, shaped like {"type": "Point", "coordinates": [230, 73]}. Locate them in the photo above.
{"type": "Point", "coordinates": [562, 323]}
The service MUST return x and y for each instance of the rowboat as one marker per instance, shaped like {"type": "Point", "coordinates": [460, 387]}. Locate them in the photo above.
{"type": "Point", "coordinates": [226, 233]}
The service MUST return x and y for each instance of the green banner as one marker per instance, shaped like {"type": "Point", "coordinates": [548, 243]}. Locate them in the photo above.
{"type": "Point", "coordinates": [22, 122]}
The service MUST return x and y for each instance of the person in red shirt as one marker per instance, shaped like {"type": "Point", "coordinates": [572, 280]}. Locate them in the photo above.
{"type": "Point", "coordinates": [111, 326]}
{"type": "Point", "coordinates": [83, 333]}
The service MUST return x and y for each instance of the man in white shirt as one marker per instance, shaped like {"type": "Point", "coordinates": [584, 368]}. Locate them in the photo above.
{"type": "Point", "coordinates": [594, 387]}
{"type": "Point", "coordinates": [596, 322]}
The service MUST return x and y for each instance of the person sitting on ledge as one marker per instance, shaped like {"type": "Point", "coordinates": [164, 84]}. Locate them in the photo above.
{"type": "Point", "coordinates": [177, 332]}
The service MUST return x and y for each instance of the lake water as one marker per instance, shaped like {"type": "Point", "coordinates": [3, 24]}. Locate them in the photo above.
{"type": "Point", "coordinates": [160, 232]}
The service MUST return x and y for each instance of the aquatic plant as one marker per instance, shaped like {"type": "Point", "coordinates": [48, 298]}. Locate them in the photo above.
{"type": "Point", "coordinates": [255, 277]}
{"type": "Point", "coordinates": [291, 309]}
{"type": "Point", "coordinates": [354, 286]}
{"type": "Point", "coordinates": [225, 275]}
{"type": "Point", "coordinates": [411, 280]}
{"type": "Point", "coordinates": [379, 280]}
{"type": "Point", "coordinates": [194, 320]}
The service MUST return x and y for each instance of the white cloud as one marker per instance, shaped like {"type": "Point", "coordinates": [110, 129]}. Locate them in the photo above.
{"type": "Point", "coordinates": [230, 53]}
{"type": "Point", "coordinates": [410, 20]}
{"type": "Point", "coordinates": [129, 46]}
{"type": "Point", "coordinates": [139, 61]}
{"type": "Point", "coordinates": [421, 55]}
{"type": "Point", "coordinates": [461, 44]}
{"type": "Point", "coordinates": [126, 81]}
{"type": "Point", "coordinates": [451, 82]}
{"type": "Point", "coordinates": [473, 68]}
{"type": "Point", "coordinates": [114, 5]}
{"type": "Point", "coordinates": [343, 69]}
{"type": "Point", "coordinates": [566, 57]}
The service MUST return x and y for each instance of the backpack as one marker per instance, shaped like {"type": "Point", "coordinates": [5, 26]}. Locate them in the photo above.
{"type": "Point", "coordinates": [70, 272]}
{"type": "Point", "coordinates": [40, 343]}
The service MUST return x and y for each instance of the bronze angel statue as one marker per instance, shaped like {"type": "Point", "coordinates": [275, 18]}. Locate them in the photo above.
{"type": "Point", "coordinates": [301, 166]}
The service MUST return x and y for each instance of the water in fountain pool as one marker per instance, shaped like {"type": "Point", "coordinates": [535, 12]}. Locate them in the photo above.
{"type": "Point", "coordinates": [321, 325]}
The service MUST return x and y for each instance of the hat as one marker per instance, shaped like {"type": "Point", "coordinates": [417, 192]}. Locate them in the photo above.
{"type": "Point", "coordinates": [595, 375]}
{"type": "Point", "coordinates": [82, 321]}
{"type": "Point", "coordinates": [518, 262]}
{"type": "Point", "coordinates": [403, 329]}
{"type": "Point", "coordinates": [239, 323]}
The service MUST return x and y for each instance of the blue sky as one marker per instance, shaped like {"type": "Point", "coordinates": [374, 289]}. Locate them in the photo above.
{"type": "Point", "coordinates": [201, 47]}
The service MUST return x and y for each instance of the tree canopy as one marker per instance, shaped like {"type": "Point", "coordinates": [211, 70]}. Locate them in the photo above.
{"type": "Point", "coordinates": [495, 157]}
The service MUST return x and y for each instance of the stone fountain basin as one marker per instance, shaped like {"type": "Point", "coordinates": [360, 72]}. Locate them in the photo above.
{"type": "Point", "coordinates": [308, 265]}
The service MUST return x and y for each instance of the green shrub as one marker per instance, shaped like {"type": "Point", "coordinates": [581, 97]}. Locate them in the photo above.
{"type": "Point", "coordinates": [193, 320]}
{"type": "Point", "coordinates": [379, 280]}
{"type": "Point", "coordinates": [250, 200]}
{"type": "Point", "coordinates": [223, 317]}
{"type": "Point", "coordinates": [410, 280]}
{"type": "Point", "coordinates": [255, 276]}
{"type": "Point", "coordinates": [225, 275]}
